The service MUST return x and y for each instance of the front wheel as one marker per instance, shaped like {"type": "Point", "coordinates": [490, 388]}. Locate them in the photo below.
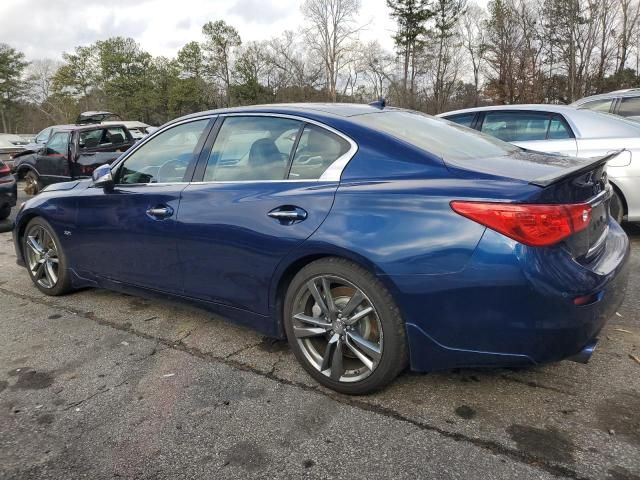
{"type": "Point", "coordinates": [33, 185]}
{"type": "Point", "coordinates": [344, 327]}
{"type": "Point", "coordinates": [45, 260]}
{"type": "Point", "coordinates": [5, 212]}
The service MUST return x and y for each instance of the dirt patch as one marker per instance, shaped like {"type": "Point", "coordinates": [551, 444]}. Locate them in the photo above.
{"type": "Point", "coordinates": [621, 414]}
{"type": "Point", "coordinates": [546, 443]}
{"type": "Point", "coordinates": [31, 379]}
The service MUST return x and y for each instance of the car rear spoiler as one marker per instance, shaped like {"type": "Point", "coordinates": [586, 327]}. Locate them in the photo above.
{"type": "Point", "coordinates": [577, 170]}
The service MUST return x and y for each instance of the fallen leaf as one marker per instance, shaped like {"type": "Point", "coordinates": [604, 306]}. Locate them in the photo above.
{"type": "Point", "coordinates": [126, 344]}
{"type": "Point", "coordinates": [168, 375]}
{"type": "Point", "coordinates": [621, 330]}
{"type": "Point", "coordinates": [618, 314]}
{"type": "Point", "coordinates": [634, 358]}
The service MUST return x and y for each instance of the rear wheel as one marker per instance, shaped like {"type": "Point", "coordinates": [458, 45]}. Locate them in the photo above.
{"type": "Point", "coordinates": [32, 183]}
{"type": "Point", "coordinates": [344, 327]}
{"type": "Point", "coordinates": [616, 207]}
{"type": "Point", "coordinates": [45, 259]}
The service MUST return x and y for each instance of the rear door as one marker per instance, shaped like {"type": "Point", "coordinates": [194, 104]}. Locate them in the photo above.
{"type": "Point", "coordinates": [267, 185]}
{"type": "Point", "coordinates": [129, 234]}
{"type": "Point", "coordinates": [533, 130]}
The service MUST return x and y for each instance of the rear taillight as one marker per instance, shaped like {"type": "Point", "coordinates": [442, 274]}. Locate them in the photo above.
{"type": "Point", "coordinates": [535, 225]}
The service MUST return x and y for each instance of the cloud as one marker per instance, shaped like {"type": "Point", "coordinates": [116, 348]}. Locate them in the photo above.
{"type": "Point", "coordinates": [261, 11]}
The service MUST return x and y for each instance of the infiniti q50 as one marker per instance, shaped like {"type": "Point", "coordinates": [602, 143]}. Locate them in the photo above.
{"type": "Point", "coordinates": [371, 238]}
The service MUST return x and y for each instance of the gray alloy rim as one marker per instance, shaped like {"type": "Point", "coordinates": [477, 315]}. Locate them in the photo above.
{"type": "Point", "coordinates": [42, 256]}
{"type": "Point", "coordinates": [337, 328]}
{"type": "Point", "coordinates": [31, 185]}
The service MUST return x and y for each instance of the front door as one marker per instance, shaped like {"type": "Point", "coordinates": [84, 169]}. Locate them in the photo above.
{"type": "Point", "coordinates": [261, 194]}
{"type": "Point", "coordinates": [129, 234]}
{"type": "Point", "coordinates": [52, 162]}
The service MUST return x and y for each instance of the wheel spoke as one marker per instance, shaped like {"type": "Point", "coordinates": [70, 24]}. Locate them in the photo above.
{"type": "Point", "coordinates": [35, 247]}
{"type": "Point", "coordinates": [52, 277]}
{"type": "Point", "coordinates": [326, 286]}
{"type": "Point", "coordinates": [318, 322]}
{"type": "Point", "coordinates": [38, 270]}
{"type": "Point", "coordinates": [328, 353]}
{"type": "Point", "coordinates": [371, 349]}
{"type": "Point", "coordinates": [358, 316]}
{"type": "Point", "coordinates": [337, 369]}
{"type": "Point", "coordinates": [355, 300]}
{"type": "Point", "coordinates": [313, 289]}
{"type": "Point", "coordinates": [305, 332]}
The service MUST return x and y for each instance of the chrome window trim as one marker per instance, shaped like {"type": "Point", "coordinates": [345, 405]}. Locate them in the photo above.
{"type": "Point", "coordinates": [331, 174]}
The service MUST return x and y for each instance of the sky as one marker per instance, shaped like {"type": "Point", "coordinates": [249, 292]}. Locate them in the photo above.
{"type": "Point", "coordinates": [46, 28]}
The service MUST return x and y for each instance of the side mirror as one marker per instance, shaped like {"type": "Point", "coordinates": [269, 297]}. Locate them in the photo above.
{"type": "Point", "coordinates": [102, 177]}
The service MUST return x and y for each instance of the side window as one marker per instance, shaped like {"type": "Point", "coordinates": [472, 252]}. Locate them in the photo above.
{"type": "Point", "coordinates": [58, 144]}
{"type": "Point", "coordinates": [164, 158]}
{"type": "Point", "coordinates": [90, 138]}
{"type": "Point", "coordinates": [251, 148]}
{"type": "Point", "coordinates": [629, 107]}
{"type": "Point", "coordinates": [516, 126]}
{"type": "Point", "coordinates": [558, 129]}
{"type": "Point", "coordinates": [113, 136]}
{"type": "Point", "coordinates": [317, 150]}
{"type": "Point", "coordinates": [597, 105]}
{"type": "Point", "coordinates": [43, 136]}
{"type": "Point", "coordinates": [464, 119]}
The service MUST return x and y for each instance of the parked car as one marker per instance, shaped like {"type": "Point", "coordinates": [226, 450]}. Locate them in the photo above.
{"type": "Point", "coordinates": [371, 238]}
{"type": "Point", "coordinates": [71, 152]}
{"type": "Point", "coordinates": [8, 150]}
{"type": "Point", "coordinates": [564, 130]}
{"type": "Point", "coordinates": [625, 103]}
{"type": "Point", "coordinates": [8, 191]}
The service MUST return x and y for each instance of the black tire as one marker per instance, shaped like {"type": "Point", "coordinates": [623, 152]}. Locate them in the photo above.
{"type": "Point", "coordinates": [616, 207]}
{"type": "Point", "coordinates": [33, 184]}
{"type": "Point", "coordinates": [62, 284]}
{"type": "Point", "coordinates": [394, 351]}
{"type": "Point", "coordinates": [5, 212]}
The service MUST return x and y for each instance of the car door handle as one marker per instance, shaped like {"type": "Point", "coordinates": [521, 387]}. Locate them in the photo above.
{"type": "Point", "coordinates": [288, 214]}
{"type": "Point", "coordinates": [160, 212]}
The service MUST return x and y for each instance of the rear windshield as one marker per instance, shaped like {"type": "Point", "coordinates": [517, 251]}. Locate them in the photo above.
{"type": "Point", "coordinates": [445, 139]}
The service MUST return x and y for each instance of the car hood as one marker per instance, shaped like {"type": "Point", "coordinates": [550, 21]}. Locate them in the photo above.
{"type": "Point", "coordinates": [64, 186]}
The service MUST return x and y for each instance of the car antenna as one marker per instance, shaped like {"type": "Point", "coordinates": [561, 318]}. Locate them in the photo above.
{"type": "Point", "coordinates": [380, 103]}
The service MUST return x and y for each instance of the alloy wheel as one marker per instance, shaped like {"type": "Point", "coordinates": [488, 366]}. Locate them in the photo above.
{"type": "Point", "coordinates": [338, 328]}
{"type": "Point", "coordinates": [42, 256]}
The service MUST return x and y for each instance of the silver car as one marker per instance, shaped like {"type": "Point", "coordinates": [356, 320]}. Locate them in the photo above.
{"type": "Point", "coordinates": [565, 130]}
{"type": "Point", "coordinates": [625, 103]}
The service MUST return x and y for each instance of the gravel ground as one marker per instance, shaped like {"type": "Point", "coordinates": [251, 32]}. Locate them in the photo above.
{"type": "Point", "coordinates": [102, 385]}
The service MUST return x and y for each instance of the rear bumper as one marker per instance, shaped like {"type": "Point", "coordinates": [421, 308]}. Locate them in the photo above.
{"type": "Point", "coordinates": [512, 305]}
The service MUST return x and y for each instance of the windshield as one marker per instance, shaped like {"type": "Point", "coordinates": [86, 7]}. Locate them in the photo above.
{"type": "Point", "coordinates": [445, 139]}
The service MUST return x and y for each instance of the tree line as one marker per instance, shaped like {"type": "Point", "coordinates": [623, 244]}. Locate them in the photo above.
{"type": "Point", "coordinates": [448, 54]}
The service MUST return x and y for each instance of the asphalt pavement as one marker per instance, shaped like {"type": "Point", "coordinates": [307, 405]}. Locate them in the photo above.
{"type": "Point", "coordinates": [102, 385]}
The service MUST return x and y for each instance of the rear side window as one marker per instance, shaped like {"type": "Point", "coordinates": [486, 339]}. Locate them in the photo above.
{"type": "Point", "coordinates": [90, 138]}
{"type": "Point", "coordinates": [629, 107]}
{"type": "Point", "coordinates": [252, 148]}
{"type": "Point", "coordinates": [464, 119]}
{"type": "Point", "coordinates": [597, 105]}
{"type": "Point", "coordinates": [113, 136]}
{"type": "Point", "coordinates": [558, 129]}
{"type": "Point", "coordinates": [317, 150]}
{"type": "Point", "coordinates": [441, 138]}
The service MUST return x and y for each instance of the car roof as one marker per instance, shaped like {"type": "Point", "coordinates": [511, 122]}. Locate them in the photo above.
{"type": "Point", "coordinates": [89, 126]}
{"type": "Point", "coordinates": [585, 123]}
{"type": "Point", "coordinates": [626, 93]}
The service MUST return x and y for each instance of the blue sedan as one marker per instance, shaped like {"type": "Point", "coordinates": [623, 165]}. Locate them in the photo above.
{"type": "Point", "coordinates": [371, 238]}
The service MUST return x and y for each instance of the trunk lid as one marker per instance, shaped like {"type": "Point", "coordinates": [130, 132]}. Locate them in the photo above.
{"type": "Point", "coordinates": [562, 180]}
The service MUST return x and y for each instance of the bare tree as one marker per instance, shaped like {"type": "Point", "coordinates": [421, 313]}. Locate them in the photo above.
{"type": "Point", "coordinates": [630, 13]}
{"type": "Point", "coordinates": [331, 29]}
{"type": "Point", "coordinates": [473, 36]}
